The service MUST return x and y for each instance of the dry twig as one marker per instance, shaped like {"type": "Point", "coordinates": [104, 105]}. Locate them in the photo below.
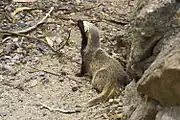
{"type": "Point", "coordinates": [23, 35]}
{"type": "Point", "coordinates": [58, 109]}
{"type": "Point", "coordinates": [66, 42]}
{"type": "Point", "coordinates": [36, 25]}
{"type": "Point", "coordinates": [36, 69]}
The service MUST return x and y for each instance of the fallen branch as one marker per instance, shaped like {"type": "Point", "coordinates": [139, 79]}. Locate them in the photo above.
{"type": "Point", "coordinates": [59, 110]}
{"type": "Point", "coordinates": [37, 70]}
{"type": "Point", "coordinates": [23, 35]}
{"type": "Point", "coordinates": [66, 42]}
{"type": "Point", "coordinates": [37, 24]}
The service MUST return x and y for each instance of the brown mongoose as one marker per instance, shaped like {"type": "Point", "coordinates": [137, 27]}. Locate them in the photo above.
{"type": "Point", "coordinates": [107, 73]}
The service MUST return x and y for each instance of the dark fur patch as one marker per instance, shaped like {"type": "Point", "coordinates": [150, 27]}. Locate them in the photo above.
{"type": "Point", "coordinates": [83, 46]}
{"type": "Point", "coordinates": [83, 35]}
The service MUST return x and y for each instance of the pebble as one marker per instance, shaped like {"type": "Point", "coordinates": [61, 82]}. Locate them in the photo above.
{"type": "Point", "coordinates": [120, 104]}
{"type": "Point", "coordinates": [40, 73]}
{"type": "Point", "coordinates": [61, 79]}
{"type": "Point", "coordinates": [33, 83]}
{"type": "Point", "coordinates": [33, 77]}
{"type": "Point", "coordinates": [39, 96]}
{"type": "Point", "coordinates": [4, 67]}
{"type": "Point", "coordinates": [111, 100]}
{"type": "Point", "coordinates": [21, 24]}
{"type": "Point", "coordinates": [45, 80]}
{"type": "Point", "coordinates": [75, 88]}
{"type": "Point", "coordinates": [75, 59]}
{"type": "Point", "coordinates": [116, 100]}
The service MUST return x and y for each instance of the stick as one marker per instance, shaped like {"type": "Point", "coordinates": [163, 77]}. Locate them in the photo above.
{"type": "Point", "coordinates": [35, 26]}
{"type": "Point", "coordinates": [54, 74]}
{"type": "Point", "coordinates": [23, 35]}
{"type": "Point", "coordinates": [59, 110]}
{"type": "Point", "coordinates": [66, 42]}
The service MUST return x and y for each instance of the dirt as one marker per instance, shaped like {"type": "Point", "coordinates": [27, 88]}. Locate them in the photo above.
{"type": "Point", "coordinates": [35, 83]}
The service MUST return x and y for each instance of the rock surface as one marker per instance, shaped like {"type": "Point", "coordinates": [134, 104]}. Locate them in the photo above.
{"type": "Point", "coordinates": [163, 82]}
{"type": "Point", "coordinates": [152, 26]}
{"type": "Point", "coordinates": [154, 55]}
{"type": "Point", "coordinates": [146, 110]}
{"type": "Point", "coordinates": [154, 61]}
{"type": "Point", "coordinates": [169, 113]}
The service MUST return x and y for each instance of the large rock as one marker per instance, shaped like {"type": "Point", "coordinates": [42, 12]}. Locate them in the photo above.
{"type": "Point", "coordinates": [163, 82]}
{"type": "Point", "coordinates": [131, 99]}
{"type": "Point", "coordinates": [137, 108]}
{"type": "Point", "coordinates": [146, 110]}
{"type": "Point", "coordinates": [154, 60]}
{"type": "Point", "coordinates": [153, 24]}
{"type": "Point", "coordinates": [154, 56]}
{"type": "Point", "coordinates": [169, 113]}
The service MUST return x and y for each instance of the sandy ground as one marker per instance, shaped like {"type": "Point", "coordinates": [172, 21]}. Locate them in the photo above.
{"type": "Point", "coordinates": [35, 84]}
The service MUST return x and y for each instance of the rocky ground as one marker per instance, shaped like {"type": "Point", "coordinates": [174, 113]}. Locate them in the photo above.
{"type": "Point", "coordinates": [37, 83]}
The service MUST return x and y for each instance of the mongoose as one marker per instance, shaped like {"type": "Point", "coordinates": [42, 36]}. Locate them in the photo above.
{"type": "Point", "coordinates": [107, 73]}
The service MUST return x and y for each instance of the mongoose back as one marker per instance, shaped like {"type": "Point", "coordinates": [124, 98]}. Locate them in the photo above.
{"type": "Point", "coordinates": [107, 73]}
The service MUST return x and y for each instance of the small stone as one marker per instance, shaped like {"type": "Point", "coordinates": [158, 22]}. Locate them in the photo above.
{"type": "Point", "coordinates": [116, 100]}
{"type": "Point", "coordinates": [39, 96]}
{"type": "Point", "coordinates": [62, 51]}
{"type": "Point", "coordinates": [4, 67]}
{"type": "Point", "coordinates": [40, 73]}
{"type": "Point", "coordinates": [63, 73]}
{"type": "Point", "coordinates": [45, 80]}
{"type": "Point", "coordinates": [75, 59]}
{"type": "Point", "coordinates": [111, 100]}
{"type": "Point", "coordinates": [33, 83]}
{"type": "Point", "coordinates": [33, 77]}
{"type": "Point", "coordinates": [120, 104]}
{"type": "Point", "coordinates": [42, 48]}
{"type": "Point", "coordinates": [78, 1]}
{"type": "Point", "coordinates": [61, 80]}
{"type": "Point", "coordinates": [116, 111]}
{"type": "Point", "coordinates": [105, 9]}
{"type": "Point", "coordinates": [7, 57]}
{"type": "Point", "coordinates": [75, 88]}
{"type": "Point", "coordinates": [21, 24]}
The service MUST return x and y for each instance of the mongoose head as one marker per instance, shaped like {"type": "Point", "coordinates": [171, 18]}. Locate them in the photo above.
{"type": "Point", "coordinates": [90, 36]}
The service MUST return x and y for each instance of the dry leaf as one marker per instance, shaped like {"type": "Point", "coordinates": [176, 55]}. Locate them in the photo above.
{"type": "Point", "coordinates": [24, 0]}
{"type": "Point", "coordinates": [49, 41]}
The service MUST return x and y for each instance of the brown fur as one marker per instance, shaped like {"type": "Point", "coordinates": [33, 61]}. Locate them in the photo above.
{"type": "Point", "coordinates": [106, 72]}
